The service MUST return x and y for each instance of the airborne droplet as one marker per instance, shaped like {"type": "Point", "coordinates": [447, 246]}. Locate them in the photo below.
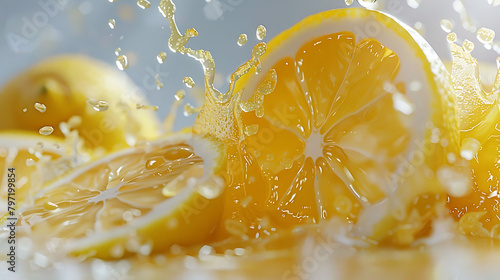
{"type": "Point", "coordinates": [242, 40]}
{"type": "Point", "coordinates": [144, 4]}
{"type": "Point", "coordinates": [46, 130]}
{"type": "Point", "coordinates": [261, 32]}
{"type": "Point", "coordinates": [122, 62]}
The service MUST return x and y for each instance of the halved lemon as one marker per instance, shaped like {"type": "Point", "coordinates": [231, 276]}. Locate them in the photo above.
{"type": "Point", "coordinates": [58, 88]}
{"type": "Point", "coordinates": [361, 120]}
{"type": "Point", "coordinates": [136, 201]}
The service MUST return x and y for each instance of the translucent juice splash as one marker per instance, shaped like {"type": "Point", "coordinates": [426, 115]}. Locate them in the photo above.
{"type": "Point", "coordinates": [216, 116]}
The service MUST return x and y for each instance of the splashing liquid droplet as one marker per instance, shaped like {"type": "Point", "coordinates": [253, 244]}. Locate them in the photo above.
{"type": "Point", "coordinates": [122, 62]}
{"type": "Point", "coordinates": [468, 45]}
{"type": "Point", "coordinates": [101, 106]}
{"type": "Point", "coordinates": [451, 37]}
{"type": "Point", "coordinates": [189, 82]}
{"type": "Point", "coordinates": [189, 110]}
{"type": "Point", "coordinates": [179, 95]}
{"type": "Point", "coordinates": [414, 3]}
{"type": "Point", "coordinates": [144, 4]}
{"type": "Point", "coordinates": [349, 2]}
{"type": "Point", "coordinates": [259, 113]}
{"type": "Point", "coordinates": [117, 51]}
{"type": "Point", "coordinates": [287, 163]}
{"type": "Point", "coordinates": [242, 39]}
{"type": "Point", "coordinates": [146, 107]}
{"type": "Point", "coordinates": [161, 57]}
{"type": "Point", "coordinates": [40, 107]}
{"type": "Point", "coordinates": [112, 23]}
{"type": "Point", "coordinates": [469, 149]}
{"type": "Point", "coordinates": [159, 84]}
{"type": "Point", "coordinates": [251, 129]}
{"type": "Point", "coordinates": [446, 25]}
{"type": "Point", "coordinates": [46, 130]}
{"type": "Point", "coordinates": [30, 162]}
{"type": "Point", "coordinates": [261, 32]}
{"type": "Point", "coordinates": [485, 35]}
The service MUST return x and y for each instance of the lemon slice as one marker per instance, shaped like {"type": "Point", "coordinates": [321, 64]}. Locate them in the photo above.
{"type": "Point", "coordinates": [33, 160]}
{"type": "Point", "coordinates": [137, 201]}
{"type": "Point", "coordinates": [361, 119]}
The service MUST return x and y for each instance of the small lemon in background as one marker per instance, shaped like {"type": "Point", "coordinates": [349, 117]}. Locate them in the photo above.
{"type": "Point", "coordinates": [101, 99]}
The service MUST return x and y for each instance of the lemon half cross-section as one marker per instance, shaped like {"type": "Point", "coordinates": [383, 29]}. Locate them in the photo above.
{"type": "Point", "coordinates": [360, 121]}
{"type": "Point", "coordinates": [136, 201]}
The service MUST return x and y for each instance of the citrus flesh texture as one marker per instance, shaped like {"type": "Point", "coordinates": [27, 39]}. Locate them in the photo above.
{"type": "Point", "coordinates": [73, 85]}
{"type": "Point", "coordinates": [32, 159]}
{"type": "Point", "coordinates": [344, 122]}
{"type": "Point", "coordinates": [140, 200]}
{"type": "Point", "coordinates": [478, 211]}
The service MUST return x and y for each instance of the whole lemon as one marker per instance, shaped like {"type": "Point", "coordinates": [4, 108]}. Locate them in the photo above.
{"type": "Point", "coordinates": [103, 98]}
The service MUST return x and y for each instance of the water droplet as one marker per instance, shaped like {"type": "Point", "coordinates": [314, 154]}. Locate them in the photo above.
{"type": "Point", "coordinates": [40, 107]}
{"type": "Point", "coordinates": [188, 110]}
{"type": "Point", "coordinates": [270, 157]}
{"type": "Point", "coordinates": [30, 162]}
{"type": "Point", "coordinates": [251, 129]}
{"type": "Point", "coordinates": [191, 32]}
{"type": "Point", "coordinates": [146, 107]}
{"type": "Point", "coordinates": [261, 32]}
{"type": "Point", "coordinates": [179, 95]}
{"type": "Point", "coordinates": [485, 35]}
{"type": "Point", "coordinates": [287, 163]}
{"type": "Point", "coordinates": [159, 84]}
{"type": "Point", "coordinates": [50, 206]}
{"type": "Point", "coordinates": [211, 190]}
{"type": "Point", "coordinates": [259, 113]}
{"type": "Point", "coordinates": [122, 62]}
{"type": "Point", "coordinates": [46, 130]}
{"type": "Point", "coordinates": [117, 251]}
{"type": "Point", "coordinates": [451, 37]}
{"type": "Point", "coordinates": [155, 162]}
{"type": "Point", "coordinates": [145, 249]}
{"type": "Point", "coordinates": [117, 51]}
{"type": "Point", "coordinates": [100, 106]}
{"type": "Point", "coordinates": [349, 2]}
{"type": "Point", "coordinates": [446, 25]}
{"type": "Point", "coordinates": [469, 149]}
{"type": "Point", "coordinates": [246, 201]}
{"type": "Point", "coordinates": [189, 82]}
{"type": "Point", "coordinates": [343, 205]}
{"type": "Point", "coordinates": [419, 26]}
{"type": "Point", "coordinates": [25, 110]}
{"type": "Point", "coordinates": [468, 45]}
{"type": "Point", "coordinates": [242, 40]}
{"type": "Point", "coordinates": [144, 4]}
{"type": "Point", "coordinates": [161, 57]}
{"type": "Point", "coordinates": [112, 23]}
{"type": "Point", "coordinates": [414, 3]}
{"type": "Point", "coordinates": [454, 180]}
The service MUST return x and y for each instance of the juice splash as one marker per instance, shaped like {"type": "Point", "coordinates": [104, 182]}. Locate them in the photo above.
{"type": "Point", "coordinates": [216, 102]}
